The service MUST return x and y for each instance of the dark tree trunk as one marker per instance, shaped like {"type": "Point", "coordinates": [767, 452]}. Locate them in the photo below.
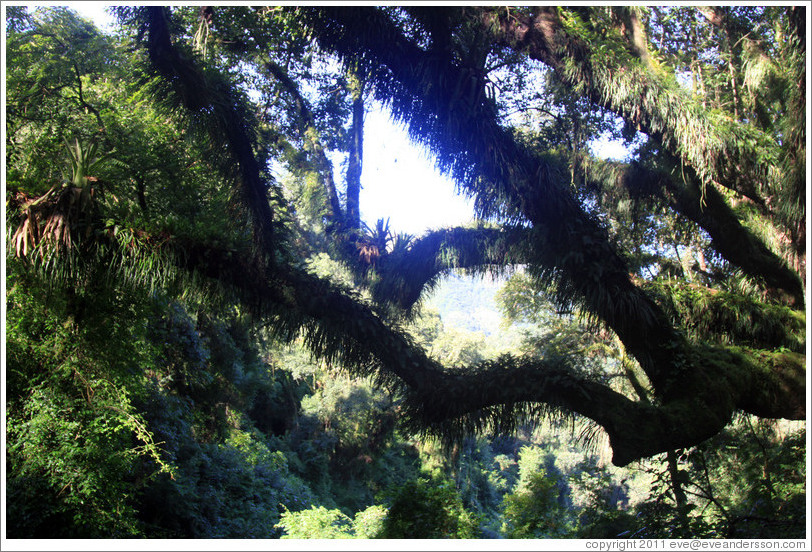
{"type": "Point", "coordinates": [356, 157]}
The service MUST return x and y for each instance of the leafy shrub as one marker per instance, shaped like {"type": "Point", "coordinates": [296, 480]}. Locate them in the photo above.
{"type": "Point", "coordinates": [72, 464]}
{"type": "Point", "coordinates": [429, 509]}
{"type": "Point", "coordinates": [316, 523]}
{"type": "Point", "coordinates": [321, 523]}
{"type": "Point", "coordinates": [368, 524]}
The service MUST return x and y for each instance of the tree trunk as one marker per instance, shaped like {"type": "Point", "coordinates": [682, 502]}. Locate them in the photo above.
{"type": "Point", "coordinates": [356, 154]}
{"type": "Point", "coordinates": [676, 486]}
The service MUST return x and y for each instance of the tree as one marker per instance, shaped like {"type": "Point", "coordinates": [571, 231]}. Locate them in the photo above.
{"type": "Point", "coordinates": [428, 509]}
{"type": "Point", "coordinates": [534, 509]}
{"type": "Point", "coordinates": [710, 162]}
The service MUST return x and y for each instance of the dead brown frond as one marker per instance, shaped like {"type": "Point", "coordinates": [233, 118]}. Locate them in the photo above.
{"type": "Point", "coordinates": [368, 253]}
{"type": "Point", "coordinates": [54, 220]}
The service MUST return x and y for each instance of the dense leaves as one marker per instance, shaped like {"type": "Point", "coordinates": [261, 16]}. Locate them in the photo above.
{"type": "Point", "coordinates": [205, 339]}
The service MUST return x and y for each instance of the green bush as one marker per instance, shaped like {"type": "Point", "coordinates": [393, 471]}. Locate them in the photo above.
{"type": "Point", "coordinates": [429, 509]}
{"type": "Point", "coordinates": [316, 523]}
{"type": "Point", "coordinates": [321, 523]}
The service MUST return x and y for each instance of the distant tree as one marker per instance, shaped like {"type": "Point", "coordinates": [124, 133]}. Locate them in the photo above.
{"type": "Point", "coordinates": [532, 512]}
{"type": "Point", "coordinates": [428, 509]}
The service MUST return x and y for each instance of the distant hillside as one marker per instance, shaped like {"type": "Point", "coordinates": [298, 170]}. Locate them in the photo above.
{"type": "Point", "coordinates": [468, 303]}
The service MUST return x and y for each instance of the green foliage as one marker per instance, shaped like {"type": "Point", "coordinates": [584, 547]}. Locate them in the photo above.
{"type": "Point", "coordinates": [537, 508]}
{"type": "Point", "coordinates": [731, 318]}
{"type": "Point", "coordinates": [603, 503]}
{"type": "Point", "coordinates": [369, 523]}
{"type": "Point", "coordinates": [82, 456]}
{"type": "Point", "coordinates": [753, 475]}
{"type": "Point", "coordinates": [74, 428]}
{"type": "Point", "coordinates": [83, 160]}
{"type": "Point", "coordinates": [532, 512]}
{"type": "Point", "coordinates": [457, 348]}
{"type": "Point", "coordinates": [195, 351]}
{"type": "Point", "coordinates": [130, 429]}
{"type": "Point", "coordinates": [344, 441]}
{"type": "Point", "coordinates": [321, 523]}
{"type": "Point", "coordinates": [428, 509]}
{"type": "Point", "coordinates": [228, 490]}
{"type": "Point", "coordinates": [480, 479]}
{"type": "Point", "coordinates": [316, 523]}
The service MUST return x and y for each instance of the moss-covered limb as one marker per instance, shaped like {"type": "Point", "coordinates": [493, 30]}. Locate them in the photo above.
{"type": "Point", "coordinates": [778, 383]}
{"type": "Point", "coordinates": [502, 394]}
{"type": "Point", "coordinates": [499, 395]}
{"type": "Point", "coordinates": [720, 150]}
{"type": "Point", "coordinates": [769, 384]}
{"type": "Point", "coordinates": [339, 328]}
{"type": "Point", "coordinates": [210, 101]}
{"type": "Point", "coordinates": [709, 209]}
{"type": "Point", "coordinates": [570, 249]}
{"type": "Point", "coordinates": [451, 404]}
{"type": "Point", "coordinates": [734, 241]}
{"type": "Point", "coordinates": [730, 318]}
{"type": "Point", "coordinates": [402, 276]}
{"type": "Point", "coordinates": [635, 32]}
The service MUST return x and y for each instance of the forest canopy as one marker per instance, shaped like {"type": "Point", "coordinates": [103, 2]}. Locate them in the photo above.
{"type": "Point", "coordinates": [183, 196]}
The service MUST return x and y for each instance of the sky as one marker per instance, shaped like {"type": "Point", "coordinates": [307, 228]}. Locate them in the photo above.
{"type": "Point", "coordinates": [398, 181]}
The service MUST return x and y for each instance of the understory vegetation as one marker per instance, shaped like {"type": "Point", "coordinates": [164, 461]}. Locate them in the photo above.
{"type": "Point", "coordinates": [174, 422]}
{"type": "Point", "coordinates": [205, 339]}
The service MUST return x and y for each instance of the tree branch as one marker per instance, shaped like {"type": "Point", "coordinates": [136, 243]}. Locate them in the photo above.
{"type": "Point", "coordinates": [403, 275]}
{"type": "Point", "coordinates": [337, 327]}
{"type": "Point", "coordinates": [82, 101]}
{"type": "Point", "coordinates": [698, 387]}
{"type": "Point", "coordinates": [735, 158]}
{"type": "Point", "coordinates": [215, 102]}
{"type": "Point", "coordinates": [708, 208]}
{"type": "Point", "coordinates": [570, 248]}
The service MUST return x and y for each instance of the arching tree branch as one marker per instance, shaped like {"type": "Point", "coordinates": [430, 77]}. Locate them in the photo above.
{"type": "Point", "coordinates": [403, 275]}
{"type": "Point", "coordinates": [570, 248]}
{"type": "Point", "coordinates": [697, 388]}
{"type": "Point", "coordinates": [496, 394]}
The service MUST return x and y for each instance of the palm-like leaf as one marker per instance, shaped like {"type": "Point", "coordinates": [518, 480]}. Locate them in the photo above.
{"type": "Point", "coordinates": [83, 160]}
